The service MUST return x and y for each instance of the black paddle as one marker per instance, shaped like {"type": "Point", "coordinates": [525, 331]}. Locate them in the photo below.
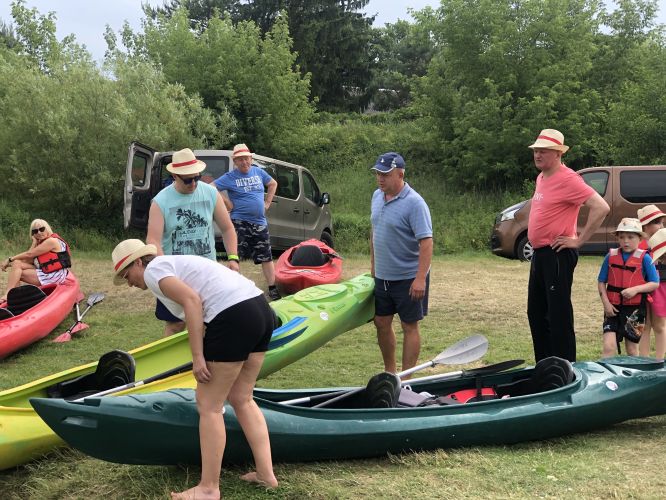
{"type": "Point", "coordinates": [464, 351]}
{"type": "Point", "coordinates": [173, 371]}
{"type": "Point", "coordinates": [484, 370]}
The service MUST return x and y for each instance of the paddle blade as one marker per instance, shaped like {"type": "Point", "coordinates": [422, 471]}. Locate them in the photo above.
{"type": "Point", "coordinates": [465, 351]}
{"type": "Point", "coordinates": [95, 298]}
{"type": "Point", "coordinates": [65, 337]}
{"type": "Point", "coordinates": [78, 327]}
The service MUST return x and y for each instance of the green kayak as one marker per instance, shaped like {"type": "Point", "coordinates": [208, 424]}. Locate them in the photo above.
{"type": "Point", "coordinates": [308, 319]}
{"type": "Point", "coordinates": [549, 400]}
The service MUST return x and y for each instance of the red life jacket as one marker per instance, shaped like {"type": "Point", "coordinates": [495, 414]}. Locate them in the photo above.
{"type": "Point", "coordinates": [51, 262]}
{"type": "Point", "coordinates": [623, 275]}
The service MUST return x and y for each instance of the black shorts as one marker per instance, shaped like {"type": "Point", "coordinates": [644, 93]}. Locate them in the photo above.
{"type": "Point", "coordinates": [163, 314]}
{"type": "Point", "coordinates": [392, 297]}
{"type": "Point", "coordinates": [618, 322]}
{"type": "Point", "coordinates": [253, 241]}
{"type": "Point", "coordinates": [241, 329]}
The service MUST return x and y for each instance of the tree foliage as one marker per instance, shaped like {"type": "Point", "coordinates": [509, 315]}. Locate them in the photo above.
{"type": "Point", "coordinates": [234, 69]}
{"type": "Point", "coordinates": [67, 125]}
{"type": "Point", "coordinates": [505, 69]}
{"type": "Point", "coordinates": [331, 40]}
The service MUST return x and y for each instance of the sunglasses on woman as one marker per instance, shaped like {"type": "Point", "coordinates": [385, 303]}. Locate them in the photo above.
{"type": "Point", "coordinates": [189, 180]}
{"type": "Point", "coordinates": [38, 230]}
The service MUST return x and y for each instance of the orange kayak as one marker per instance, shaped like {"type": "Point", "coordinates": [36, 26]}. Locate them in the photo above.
{"type": "Point", "coordinates": [31, 313]}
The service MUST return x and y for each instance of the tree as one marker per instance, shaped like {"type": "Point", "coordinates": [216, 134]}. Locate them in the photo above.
{"type": "Point", "coordinates": [331, 39]}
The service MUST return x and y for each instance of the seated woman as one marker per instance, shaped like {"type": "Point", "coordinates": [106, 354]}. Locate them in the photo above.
{"type": "Point", "coordinates": [46, 261]}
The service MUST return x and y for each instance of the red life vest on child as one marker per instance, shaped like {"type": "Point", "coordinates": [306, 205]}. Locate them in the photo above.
{"type": "Point", "coordinates": [51, 262]}
{"type": "Point", "coordinates": [623, 275]}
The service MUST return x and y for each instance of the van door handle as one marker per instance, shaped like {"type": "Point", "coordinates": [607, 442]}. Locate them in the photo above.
{"type": "Point", "coordinates": [306, 212]}
{"type": "Point", "coordinates": [296, 210]}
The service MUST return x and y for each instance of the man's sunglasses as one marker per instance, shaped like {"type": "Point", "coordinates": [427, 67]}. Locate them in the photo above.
{"type": "Point", "coordinates": [189, 180]}
{"type": "Point", "coordinates": [38, 230]}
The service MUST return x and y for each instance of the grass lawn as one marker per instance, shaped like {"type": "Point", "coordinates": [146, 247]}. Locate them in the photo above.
{"type": "Point", "coordinates": [470, 294]}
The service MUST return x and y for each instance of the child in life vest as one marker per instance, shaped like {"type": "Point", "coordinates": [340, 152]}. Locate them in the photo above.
{"type": "Point", "coordinates": [658, 306]}
{"type": "Point", "coordinates": [652, 220]}
{"type": "Point", "coordinates": [626, 276]}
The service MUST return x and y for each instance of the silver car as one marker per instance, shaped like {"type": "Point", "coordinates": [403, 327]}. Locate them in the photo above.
{"type": "Point", "coordinates": [299, 210]}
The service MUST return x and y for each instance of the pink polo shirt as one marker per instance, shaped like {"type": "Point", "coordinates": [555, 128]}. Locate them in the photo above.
{"type": "Point", "coordinates": [555, 206]}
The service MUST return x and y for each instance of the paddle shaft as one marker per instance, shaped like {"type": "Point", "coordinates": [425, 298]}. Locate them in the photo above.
{"type": "Point", "coordinates": [131, 385]}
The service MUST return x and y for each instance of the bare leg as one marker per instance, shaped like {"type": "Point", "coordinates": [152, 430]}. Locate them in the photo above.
{"type": "Point", "coordinates": [269, 272]}
{"type": "Point", "coordinates": [173, 327]}
{"type": "Point", "coordinates": [631, 348]}
{"type": "Point", "coordinates": [21, 271]}
{"type": "Point", "coordinates": [212, 434]}
{"type": "Point", "coordinates": [386, 340]}
{"type": "Point", "coordinates": [411, 346]}
{"type": "Point", "coordinates": [644, 344]}
{"type": "Point", "coordinates": [659, 328]}
{"type": "Point", "coordinates": [610, 345]}
{"type": "Point", "coordinates": [252, 422]}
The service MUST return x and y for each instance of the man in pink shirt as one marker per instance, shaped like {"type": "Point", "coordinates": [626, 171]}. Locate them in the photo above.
{"type": "Point", "coordinates": [558, 196]}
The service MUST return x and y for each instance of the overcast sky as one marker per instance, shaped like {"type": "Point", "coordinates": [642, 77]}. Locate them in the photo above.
{"type": "Point", "coordinates": [87, 18]}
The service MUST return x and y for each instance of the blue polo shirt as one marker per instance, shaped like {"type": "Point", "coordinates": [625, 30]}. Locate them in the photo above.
{"type": "Point", "coordinates": [246, 191]}
{"type": "Point", "coordinates": [397, 227]}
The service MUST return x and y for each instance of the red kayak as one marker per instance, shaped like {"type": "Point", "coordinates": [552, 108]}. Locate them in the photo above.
{"type": "Point", "coordinates": [30, 312]}
{"type": "Point", "coordinates": [309, 263]}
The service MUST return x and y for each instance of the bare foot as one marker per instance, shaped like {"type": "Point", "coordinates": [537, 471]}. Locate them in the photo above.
{"type": "Point", "coordinates": [252, 477]}
{"type": "Point", "coordinates": [197, 493]}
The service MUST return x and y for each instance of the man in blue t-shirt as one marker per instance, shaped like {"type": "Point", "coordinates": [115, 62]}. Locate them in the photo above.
{"type": "Point", "coordinates": [244, 186]}
{"type": "Point", "coordinates": [401, 251]}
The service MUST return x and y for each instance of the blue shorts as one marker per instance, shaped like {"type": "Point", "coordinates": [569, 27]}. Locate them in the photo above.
{"type": "Point", "coordinates": [253, 241]}
{"type": "Point", "coordinates": [392, 297]}
{"type": "Point", "coordinates": [162, 313]}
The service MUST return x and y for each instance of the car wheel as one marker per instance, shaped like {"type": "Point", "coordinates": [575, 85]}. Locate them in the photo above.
{"type": "Point", "coordinates": [524, 250]}
{"type": "Point", "coordinates": [327, 239]}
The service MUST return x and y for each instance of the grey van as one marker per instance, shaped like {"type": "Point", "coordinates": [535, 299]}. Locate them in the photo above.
{"type": "Point", "coordinates": [299, 210]}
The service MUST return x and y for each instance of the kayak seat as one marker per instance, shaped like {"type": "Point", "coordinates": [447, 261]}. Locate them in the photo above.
{"type": "Point", "coordinates": [383, 390]}
{"type": "Point", "coordinates": [548, 374]}
{"type": "Point", "coordinates": [23, 297]}
{"type": "Point", "coordinates": [308, 255]}
{"type": "Point", "coordinates": [5, 313]}
{"type": "Point", "coordinates": [115, 368]}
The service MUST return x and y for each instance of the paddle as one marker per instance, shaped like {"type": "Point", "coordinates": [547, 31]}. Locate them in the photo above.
{"type": "Point", "coordinates": [464, 351]}
{"type": "Point", "coordinates": [173, 371]}
{"type": "Point", "coordinates": [484, 370]}
{"type": "Point", "coordinates": [94, 298]}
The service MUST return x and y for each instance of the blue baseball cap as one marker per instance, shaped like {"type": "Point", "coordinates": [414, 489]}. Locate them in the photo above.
{"type": "Point", "coordinates": [389, 161]}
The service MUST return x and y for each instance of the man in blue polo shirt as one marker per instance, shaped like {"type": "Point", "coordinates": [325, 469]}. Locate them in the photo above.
{"type": "Point", "coordinates": [401, 252]}
{"type": "Point", "coordinates": [244, 186]}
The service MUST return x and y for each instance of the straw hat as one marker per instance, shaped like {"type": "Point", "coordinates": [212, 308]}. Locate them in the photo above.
{"type": "Point", "coordinates": [629, 225]}
{"type": "Point", "coordinates": [127, 252]}
{"type": "Point", "coordinates": [550, 139]}
{"type": "Point", "coordinates": [184, 162]}
{"type": "Point", "coordinates": [658, 244]}
{"type": "Point", "coordinates": [649, 213]}
{"type": "Point", "coordinates": [241, 150]}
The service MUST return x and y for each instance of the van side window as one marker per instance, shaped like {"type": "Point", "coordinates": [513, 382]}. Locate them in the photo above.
{"type": "Point", "coordinates": [597, 181]}
{"type": "Point", "coordinates": [643, 186]}
{"type": "Point", "coordinates": [139, 166]}
{"type": "Point", "coordinates": [271, 170]}
{"type": "Point", "coordinates": [288, 184]}
{"type": "Point", "coordinates": [216, 166]}
{"type": "Point", "coordinates": [310, 189]}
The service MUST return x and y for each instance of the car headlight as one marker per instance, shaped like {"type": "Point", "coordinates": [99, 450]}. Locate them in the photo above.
{"type": "Point", "coordinates": [508, 214]}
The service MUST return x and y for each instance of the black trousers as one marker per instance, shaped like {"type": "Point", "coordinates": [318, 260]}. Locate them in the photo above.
{"type": "Point", "coordinates": [549, 308]}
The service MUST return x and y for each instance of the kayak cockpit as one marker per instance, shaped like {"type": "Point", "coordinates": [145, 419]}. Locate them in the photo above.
{"type": "Point", "coordinates": [387, 391]}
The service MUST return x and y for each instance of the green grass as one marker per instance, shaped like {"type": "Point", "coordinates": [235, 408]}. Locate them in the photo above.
{"type": "Point", "coordinates": [470, 293]}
